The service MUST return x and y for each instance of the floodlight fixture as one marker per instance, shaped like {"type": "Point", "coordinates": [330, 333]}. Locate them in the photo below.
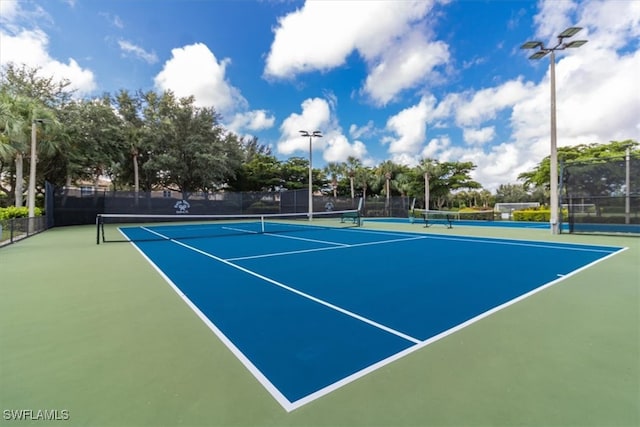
{"type": "Point", "coordinates": [531, 45]}
{"type": "Point", "coordinates": [539, 54]}
{"type": "Point", "coordinates": [569, 32]}
{"type": "Point", "coordinates": [574, 44]}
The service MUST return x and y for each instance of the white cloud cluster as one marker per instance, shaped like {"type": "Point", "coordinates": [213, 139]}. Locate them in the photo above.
{"type": "Point", "coordinates": [595, 103]}
{"type": "Point", "coordinates": [138, 52]}
{"type": "Point", "coordinates": [8, 11]}
{"type": "Point", "coordinates": [389, 35]}
{"type": "Point", "coordinates": [194, 70]}
{"type": "Point", "coordinates": [318, 113]}
{"type": "Point", "coordinates": [252, 121]}
{"type": "Point", "coordinates": [410, 126]}
{"type": "Point", "coordinates": [30, 47]}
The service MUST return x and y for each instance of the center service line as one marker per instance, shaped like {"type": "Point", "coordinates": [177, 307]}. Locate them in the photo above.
{"type": "Point", "coordinates": [290, 289]}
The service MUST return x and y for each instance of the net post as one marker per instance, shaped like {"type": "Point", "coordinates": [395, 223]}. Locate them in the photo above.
{"type": "Point", "coordinates": [262, 224]}
{"type": "Point", "coordinates": [98, 229]}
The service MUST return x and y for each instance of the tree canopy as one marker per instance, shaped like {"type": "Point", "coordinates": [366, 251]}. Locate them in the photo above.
{"type": "Point", "coordinates": [148, 141]}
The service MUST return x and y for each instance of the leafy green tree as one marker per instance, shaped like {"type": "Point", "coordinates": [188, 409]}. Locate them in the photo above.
{"type": "Point", "coordinates": [129, 110]}
{"type": "Point", "coordinates": [512, 193]}
{"type": "Point", "coordinates": [440, 179]}
{"type": "Point", "coordinates": [96, 140]}
{"type": "Point", "coordinates": [261, 172]}
{"type": "Point", "coordinates": [190, 149]}
{"type": "Point", "coordinates": [294, 173]}
{"type": "Point", "coordinates": [540, 175]}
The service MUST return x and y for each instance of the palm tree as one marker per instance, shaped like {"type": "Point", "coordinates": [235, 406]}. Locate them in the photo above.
{"type": "Point", "coordinates": [385, 172]}
{"type": "Point", "coordinates": [429, 169]}
{"type": "Point", "coordinates": [334, 170]}
{"type": "Point", "coordinates": [350, 167]}
{"type": "Point", "coordinates": [19, 115]}
{"type": "Point", "coordinates": [364, 177]}
{"type": "Point", "coordinates": [402, 182]}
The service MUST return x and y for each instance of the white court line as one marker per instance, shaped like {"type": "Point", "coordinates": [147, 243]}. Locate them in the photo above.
{"type": "Point", "coordinates": [295, 291]}
{"type": "Point", "coordinates": [240, 230]}
{"type": "Point", "coordinates": [307, 240]}
{"type": "Point", "coordinates": [343, 246]}
{"type": "Point", "coordinates": [262, 379]}
{"type": "Point", "coordinates": [328, 389]}
{"type": "Point", "coordinates": [290, 406]}
{"type": "Point", "coordinates": [494, 241]}
{"type": "Point", "coordinates": [560, 245]}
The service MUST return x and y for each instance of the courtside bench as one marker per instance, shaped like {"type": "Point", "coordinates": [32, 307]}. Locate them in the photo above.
{"type": "Point", "coordinates": [351, 216]}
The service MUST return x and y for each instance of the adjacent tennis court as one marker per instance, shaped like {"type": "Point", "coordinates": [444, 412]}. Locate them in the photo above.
{"type": "Point", "coordinates": [310, 307]}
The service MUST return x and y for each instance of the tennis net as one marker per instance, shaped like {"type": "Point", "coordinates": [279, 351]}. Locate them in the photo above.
{"type": "Point", "coordinates": [138, 227]}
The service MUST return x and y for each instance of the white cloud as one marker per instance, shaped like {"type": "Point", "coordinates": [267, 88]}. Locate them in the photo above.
{"type": "Point", "coordinates": [194, 70]}
{"type": "Point", "coordinates": [315, 115]}
{"type": "Point", "coordinates": [8, 10]}
{"type": "Point", "coordinates": [318, 114]}
{"type": "Point", "coordinates": [412, 60]}
{"type": "Point", "coordinates": [357, 132]}
{"type": "Point", "coordinates": [484, 104]}
{"type": "Point", "coordinates": [114, 20]}
{"type": "Point", "coordinates": [554, 16]}
{"type": "Point", "coordinates": [338, 148]}
{"type": "Point", "coordinates": [255, 120]}
{"type": "Point", "coordinates": [30, 47]}
{"type": "Point", "coordinates": [322, 34]}
{"type": "Point", "coordinates": [479, 136]}
{"type": "Point", "coordinates": [138, 52]}
{"type": "Point", "coordinates": [410, 128]}
{"type": "Point", "coordinates": [595, 103]}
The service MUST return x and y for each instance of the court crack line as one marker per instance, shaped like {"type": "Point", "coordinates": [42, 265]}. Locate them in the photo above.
{"type": "Point", "coordinates": [290, 289]}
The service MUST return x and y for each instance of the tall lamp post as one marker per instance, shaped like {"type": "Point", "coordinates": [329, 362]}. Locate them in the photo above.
{"type": "Point", "coordinates": [31, 196]}
{"type": "Point", "coordinates": [311, 135]}
{"type": "Point", "coordinates": [553, 158]}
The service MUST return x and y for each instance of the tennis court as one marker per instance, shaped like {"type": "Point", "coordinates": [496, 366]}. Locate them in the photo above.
{"type": "Point", "coordinates": [384, 324]}
{"type": "Point", "coordinates": [303, 330]}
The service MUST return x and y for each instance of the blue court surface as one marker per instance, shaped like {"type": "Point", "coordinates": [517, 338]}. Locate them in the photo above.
{"type": "Point", "coordinates": [310, 310]}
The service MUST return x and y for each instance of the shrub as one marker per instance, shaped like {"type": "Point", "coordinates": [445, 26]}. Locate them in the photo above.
{"type": "Point", "coordinates": [535, 215]}
{"type": "Point", "coordinates": [14, 212]}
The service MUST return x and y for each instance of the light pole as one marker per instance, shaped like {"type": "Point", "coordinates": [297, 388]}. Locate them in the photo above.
{"type": "Point", "coordinates": [31, 196]}
{"type": "Point", "coordinates": [553, 158]}
{"type": "Point", "coordinates": [311, 135]}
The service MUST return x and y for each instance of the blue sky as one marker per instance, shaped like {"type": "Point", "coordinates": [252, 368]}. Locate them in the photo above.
{"type": "Point", "coordinates": [399, 79]}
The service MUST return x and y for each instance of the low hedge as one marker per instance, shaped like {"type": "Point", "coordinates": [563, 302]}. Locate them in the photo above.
{"type": "Point", "coordinates": [14, 212]}
{"type": "Point", "coordinates": [535, 215]}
